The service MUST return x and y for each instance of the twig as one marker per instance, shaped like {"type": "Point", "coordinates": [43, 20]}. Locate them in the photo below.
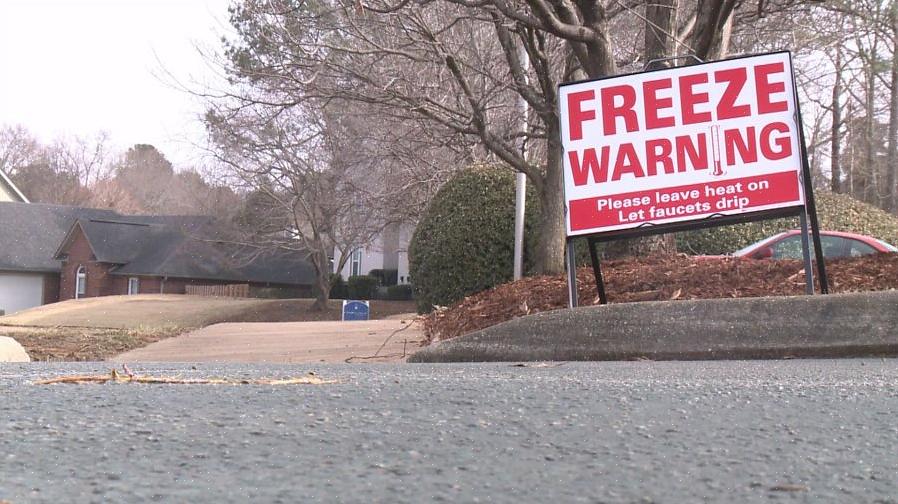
{"type": "Point", "coordinates": [115, 377]}
{"type": "Point", "coordinates": [382, 345]}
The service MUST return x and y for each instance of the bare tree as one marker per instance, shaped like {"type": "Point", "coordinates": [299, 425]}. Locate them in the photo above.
{"type": "Point", "coordinates": [456, 66]}
{"type": "Point", "coordinates": [60, 172]}
{"type": "Point", "coordinates": [17, 148]}
{"type": "Point", "coordinates": [309, 193]}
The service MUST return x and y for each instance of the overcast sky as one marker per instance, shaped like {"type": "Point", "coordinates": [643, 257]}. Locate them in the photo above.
{"type": "Point", "coordinates": [78, 67]}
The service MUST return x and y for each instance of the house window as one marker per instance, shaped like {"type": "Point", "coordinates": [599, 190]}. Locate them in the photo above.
{"type": "Point", "coordinates": [133, 286]}
{"type": "Point", "coordinates": [355, 268]}
{"type": "Point", "coordinates": [80, 282]}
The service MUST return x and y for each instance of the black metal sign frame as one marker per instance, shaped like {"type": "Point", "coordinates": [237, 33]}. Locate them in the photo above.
{"type": "Point", "coordinates": [806, 213]}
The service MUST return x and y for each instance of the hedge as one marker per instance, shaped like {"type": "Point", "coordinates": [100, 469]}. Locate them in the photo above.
{"type": "Point", "coordinates": [386, 277]}
{"type": "Point", "coordinates": [402, 292]}
{"type": "Point", "coordinates": [362, 287]}
{"type": "Point", "coordinates": [836, 212]}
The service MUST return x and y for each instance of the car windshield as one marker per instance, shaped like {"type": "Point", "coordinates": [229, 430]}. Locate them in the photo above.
{"type": "Point", "coordinates": [745, 250]}
{"type": "Point", "coordinates": [888, 246]}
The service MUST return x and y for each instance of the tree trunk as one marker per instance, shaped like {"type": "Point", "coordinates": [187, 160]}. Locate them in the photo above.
{"type": "Point", "coordinates": [711, 28]}
{"type": "Point", "coordinates": [871, 187]}
{"type": "Point", "coordinates": [836, 145]}
{"type": "Point", "coordinates": [852, 155]}
{"type": "Point", "coordinates": [550, 253]}
{"type": "Point", "coordinates": [661, 22]}
{"type": "Point", "coordinates": [892, 164]}
{"type": "Point", "coordinates": [323, 295]}
{"type": "Point", "coordinates": [661, 16]}
{"type": "Point", "coordinates": [321, 265]}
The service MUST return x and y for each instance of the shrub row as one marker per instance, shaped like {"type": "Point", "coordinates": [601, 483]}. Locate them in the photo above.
{"type": "Point", "coordinates": [836, 212]}
{"type": "Point", "coordinates": [368, 287]}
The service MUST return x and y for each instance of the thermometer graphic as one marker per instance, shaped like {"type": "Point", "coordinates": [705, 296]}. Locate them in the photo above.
{"type": "Point", "coordinates": [715, 149]}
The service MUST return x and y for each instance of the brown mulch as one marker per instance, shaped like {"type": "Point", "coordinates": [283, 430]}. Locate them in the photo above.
{"type": "Point", "coordinates": [654, 279]}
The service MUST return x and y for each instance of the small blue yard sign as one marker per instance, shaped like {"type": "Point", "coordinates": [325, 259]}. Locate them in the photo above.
{"type": "Point", "coordinates": [355, 310]}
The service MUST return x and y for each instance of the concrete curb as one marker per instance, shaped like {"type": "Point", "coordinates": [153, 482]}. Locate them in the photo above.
{"type": "Point", "coordinates": [836, 325]}
{"type": "Point", "coordinates": [12, 351]}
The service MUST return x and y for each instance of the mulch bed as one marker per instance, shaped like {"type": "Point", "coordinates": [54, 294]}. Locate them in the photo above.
{"type": "Point", "coordinates": [654, 279]}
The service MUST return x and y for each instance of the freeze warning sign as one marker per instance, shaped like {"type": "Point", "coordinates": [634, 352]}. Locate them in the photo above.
{"type": "Point", "coordinates": [680, 144]}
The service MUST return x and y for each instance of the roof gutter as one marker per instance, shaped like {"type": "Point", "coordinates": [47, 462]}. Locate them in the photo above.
{"type": "Point", "coordinates": [15, 189]}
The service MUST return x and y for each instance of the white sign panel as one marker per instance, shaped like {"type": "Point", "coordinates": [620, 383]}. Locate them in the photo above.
{"type": "Point", "coordinates": [681, 144]}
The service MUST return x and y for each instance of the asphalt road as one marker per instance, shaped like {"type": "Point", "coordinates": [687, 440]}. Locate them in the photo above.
{"type": "Point", "coordinates": [794, 431]}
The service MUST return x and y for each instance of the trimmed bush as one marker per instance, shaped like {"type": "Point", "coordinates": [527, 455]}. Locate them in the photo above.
{"type": "Point", "coordinates": [399, 293]}
{"type": "Point", "coordinates": [362, 287]}
{"type": "Point", "coordinates": [386, 277]}
{"type": "Point", "coordinates": [464, 242]}
{"type": "Point", "coordinates": [836, 212]}
{"type": "Point", "coordinates": [339, 290]}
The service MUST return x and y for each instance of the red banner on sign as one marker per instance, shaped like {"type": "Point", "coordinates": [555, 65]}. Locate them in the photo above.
{"type": "Point", "coordinates": [673, 204]}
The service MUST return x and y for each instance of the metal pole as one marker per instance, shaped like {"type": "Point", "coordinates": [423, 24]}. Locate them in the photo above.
{"type": "Point", "coordinates": [520, 199]}
{"type": "Point", "coordinates": [810, 203]}
{"type": "Point", "coordinates": [597, 271]}
{"type": "Point", "coordinates": [571, 264]}
{"type": "Point", "coordinates": [806, 252]}
{"type": "Point", "coordinates": [520, 203]}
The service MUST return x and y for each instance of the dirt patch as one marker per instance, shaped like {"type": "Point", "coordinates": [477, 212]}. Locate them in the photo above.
{"type": "Point", "coordinates": [657, 278]}
{"type": "Point", "coordinates": [99, 328]}
{"type": "Point", "coordinates": [81, 344]}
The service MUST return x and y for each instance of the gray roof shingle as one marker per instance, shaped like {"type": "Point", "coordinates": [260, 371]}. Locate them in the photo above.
{"type": "Point", "coordinates": [31, 232]}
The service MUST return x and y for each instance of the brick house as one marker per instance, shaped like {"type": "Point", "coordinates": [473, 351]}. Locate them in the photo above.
{"type": "Point", "coordinates": [162, 256]}
{"type": "Point", "coordinates": [52, 253]}
{"type": "Point", "coordinates": [30, 233]}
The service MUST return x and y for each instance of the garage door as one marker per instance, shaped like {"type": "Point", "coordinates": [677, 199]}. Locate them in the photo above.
{"type": "Point", "coordinates": [18, 291]}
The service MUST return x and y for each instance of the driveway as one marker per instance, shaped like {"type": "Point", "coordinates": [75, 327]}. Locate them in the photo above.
{"type": "Point", "coordinates": [287, 342]}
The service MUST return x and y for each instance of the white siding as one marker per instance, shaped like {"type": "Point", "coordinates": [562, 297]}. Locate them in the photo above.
{"type": "Point", "coordinates": [371, 259]}
{"type": "Point", "coordinates": [19, 291]}
{"type": "Point", "coordinates": [382, 255]}
{"type": "Point", "coordinates": [402, 277]}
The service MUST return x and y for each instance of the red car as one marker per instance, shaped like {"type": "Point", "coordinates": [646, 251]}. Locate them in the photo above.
{"type": "Point", "coordinates": [835, 244]}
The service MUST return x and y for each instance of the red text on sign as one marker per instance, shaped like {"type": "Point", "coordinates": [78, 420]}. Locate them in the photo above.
{"type": "Point", "coordinates": [617, 104]}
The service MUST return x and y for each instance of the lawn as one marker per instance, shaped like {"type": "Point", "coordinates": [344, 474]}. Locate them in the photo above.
{"type": "Point", "coordinates": [98, 328]}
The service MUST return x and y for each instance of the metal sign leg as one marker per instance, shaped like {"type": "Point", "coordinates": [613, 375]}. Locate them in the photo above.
{"type": "Point", "coordinates": [597, 271]}
{"type": "Point", "coordinates": [806, 252]}
{"type": "Point", "coordinates": [818, 248]}
{"type": "Point", "coordinates": [810, 205]}
{"type": "Point", "coordinates": [571, 273]}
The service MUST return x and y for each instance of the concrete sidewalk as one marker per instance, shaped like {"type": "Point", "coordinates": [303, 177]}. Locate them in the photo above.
{"type": "Point", "coordinates": [837, 325]}
{"type": "Point", "coordinates": [287, 342]}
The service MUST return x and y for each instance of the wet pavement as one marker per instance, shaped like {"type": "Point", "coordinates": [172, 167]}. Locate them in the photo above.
{"type": "Point", "coordinates": [798, 430]}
